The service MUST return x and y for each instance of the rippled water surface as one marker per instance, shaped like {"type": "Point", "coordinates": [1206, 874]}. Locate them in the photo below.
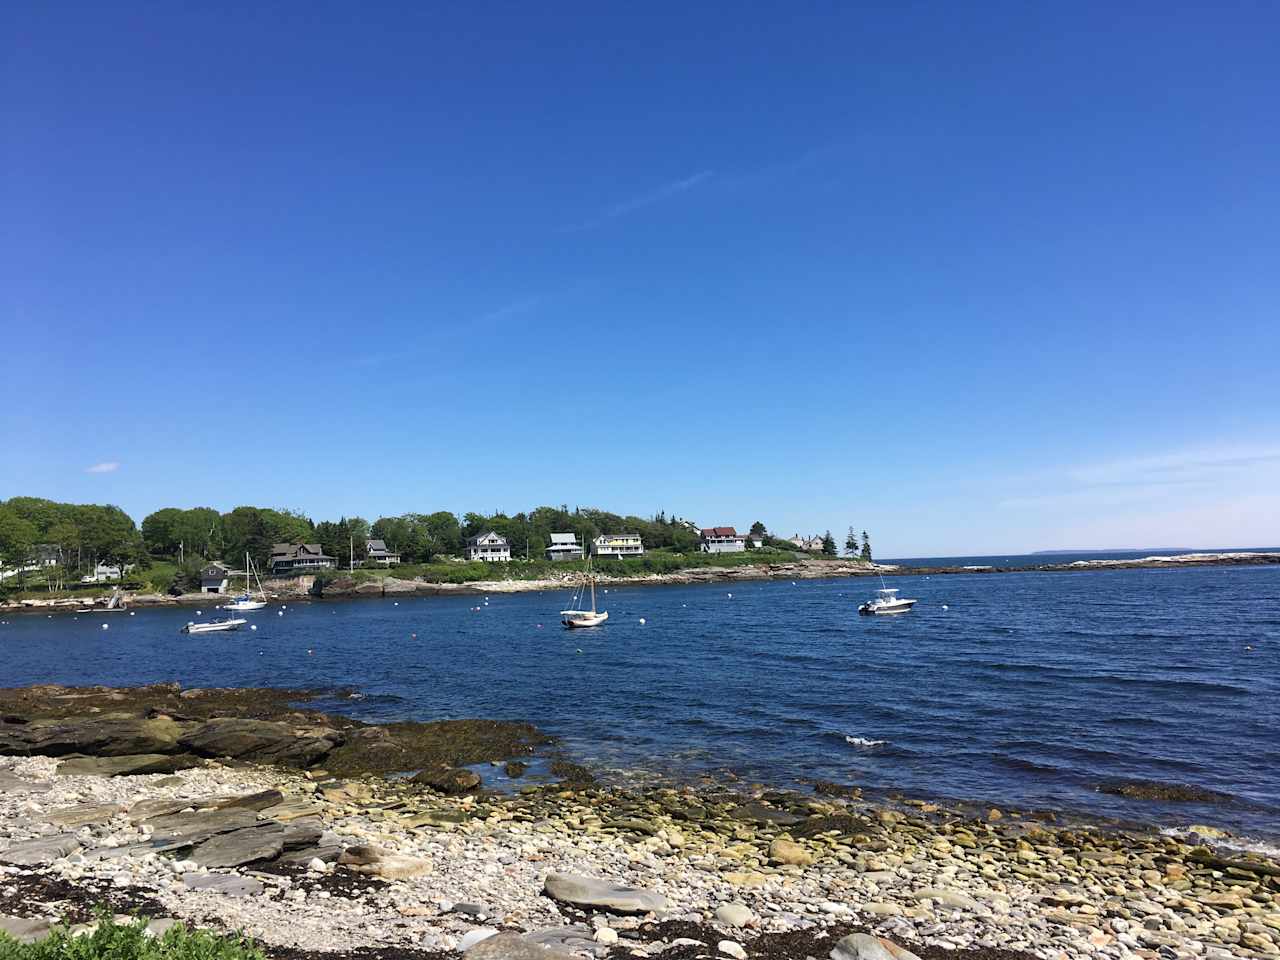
{"type": "Point", "coordinates": [1030, 690]}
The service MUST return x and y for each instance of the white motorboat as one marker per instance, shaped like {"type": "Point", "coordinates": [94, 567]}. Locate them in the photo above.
{"type": "Point", "coordinates": [887, 601]}
{"type": "Point", "coordinates": [245, 602]}
{"type": "Point", "coordinates": [585, 618]}
{"type": "Point", "coordinates": [213, 626]}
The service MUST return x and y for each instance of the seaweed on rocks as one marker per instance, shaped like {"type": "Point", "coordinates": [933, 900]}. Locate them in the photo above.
{"type": "Point", "coordinates": [792, 945]}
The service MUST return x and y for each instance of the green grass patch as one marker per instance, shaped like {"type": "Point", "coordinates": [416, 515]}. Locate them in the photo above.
{"type": "Point", "coordinates": [130, 941]}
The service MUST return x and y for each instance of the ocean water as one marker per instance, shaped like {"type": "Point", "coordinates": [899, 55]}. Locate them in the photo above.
{"type": "Point", "coordinates": [1019, 689]}
{"type": "Point", "coordinates": [1025, 560]}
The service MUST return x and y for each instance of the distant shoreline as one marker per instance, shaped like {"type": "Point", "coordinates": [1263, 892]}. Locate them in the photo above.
{"type": "Point", "coordinates": [344, 587]}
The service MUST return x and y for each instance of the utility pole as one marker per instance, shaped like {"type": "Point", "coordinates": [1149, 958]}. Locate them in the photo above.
{"type": "Point", "coordinates": [351, 552]}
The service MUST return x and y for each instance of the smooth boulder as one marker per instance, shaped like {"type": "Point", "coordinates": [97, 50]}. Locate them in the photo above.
{"type": "Point", "coordinates": [863, 946]}
{"type": "Point", "coordinates": [595, 894]}
{"type": "Point", "coordinates": [512, 946]}
{"type": "Point", "coordinates": [374, 861]}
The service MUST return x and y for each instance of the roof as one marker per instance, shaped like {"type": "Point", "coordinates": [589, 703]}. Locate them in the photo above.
{"type": "Point", "coordinates": [295, 550]}
{"type": "Point", "coordinates": [501, 541]}
{"type": "Point", "coordinates": [618, 536]}
{"type": "Point", "coordinates": [215, 569]}
{"type": "Point", "coordinates": [379, 546]}
{"type": "Point", "coordinates": [712, 532]}
{"type": "Point", "coordinates": [564, 539]}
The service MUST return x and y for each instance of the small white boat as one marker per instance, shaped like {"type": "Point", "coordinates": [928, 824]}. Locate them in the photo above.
{"type": "Point", "coordinates": [245, 602]}
{"type": "Point", "coordinates": [887, 601]}
{"type": "Point", "coordinates": [585, 618]}
{"type": "Point", "coordinates": [214, 626]}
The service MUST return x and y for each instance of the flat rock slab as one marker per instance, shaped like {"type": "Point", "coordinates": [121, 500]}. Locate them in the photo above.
{"type": "Point", "coordinates": [84, 814]}
{"type": "Point", "coordinates": [226, 884]}
{"type": "Point", "coordinates": [291, 810]}
{"type": "Point", "coordinates": [24, 931]}
{"type": "Point", "coordinates": [200, 826]}
{"type": "Point", "coordinates": [28, 853]}
{"type": "Point", "coordinates": [125, 766]}
{"type": "Point", "coordinates": [248, 845]}
{"type": "Point", "coordinates": [253, 801]}
{"type": "Point", "coordinates": [160, 807]}
{"type": "Point", "coordinates": [602, 895]}
{"type": "Point", "coordinates": [11, 784]}
{"type": "Point", "coordinates": [761, 813]}
{"type": "Point", "coordinates": [263, 740]}
{"type": "Point", "coordinates": [863, 946]}
{"type": "Point", "coordinates": [513, 946]}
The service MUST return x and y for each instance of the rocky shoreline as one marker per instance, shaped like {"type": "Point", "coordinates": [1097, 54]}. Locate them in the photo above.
{"type": "Point", "coordinates": [245, 810]}
{"type": "Point", "coordinates": [345, 587]}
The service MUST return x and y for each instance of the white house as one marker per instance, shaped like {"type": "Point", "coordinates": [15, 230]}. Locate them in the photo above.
{"type": "Point", "coordinates": [488, 546]}
{"type": "Point", "coordinates": [376, 552]}
{"type": "Point", "coordinates": [564, 546]}
{"type": "Point", "coordinates": [722, 540]}
{"type": "Point", "coordinates": [102, 572]}
{"type": "Point", "coordinates": [811, 544]}
{"type": "Point", "coordinates": [617, 545]}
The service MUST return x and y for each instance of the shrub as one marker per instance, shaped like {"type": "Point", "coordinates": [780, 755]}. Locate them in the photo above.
{"type": "Point", "coordinates": [130, 941]}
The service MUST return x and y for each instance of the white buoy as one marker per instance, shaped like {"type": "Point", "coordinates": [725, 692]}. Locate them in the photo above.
{"type": "Point", "coordinates": [945, 607]}
{"type": "Point", "coordinates": [731, 596]}
{"type": "Point", "coordinates": [198, 612]}
{"type": "Point", "coordinates": [396, 604]}
{"type": "Point", "coordinates": [279, 613]}
{"type": "Point", "coordinates": [105, 626]}
{"type": "Point", "coordinates": [132, 614]}
{"type": "Point", "coordinates": [253, 626]}
{"type": "Point", "coordinates": [642, 621]}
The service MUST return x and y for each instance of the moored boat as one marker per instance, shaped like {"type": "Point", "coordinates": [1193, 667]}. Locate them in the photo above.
{"type": "Point", "coordinates": [214, 626]}
{"type": "Point", "coordinates": [585, 618]}
{"type": "Point", "coordinates": [887, 601]}
{"type": "Point", "coordinates": [245, 602]}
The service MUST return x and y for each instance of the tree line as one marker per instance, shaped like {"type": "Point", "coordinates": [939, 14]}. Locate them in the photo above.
{"type": "Point", "coordinates": [87, 534]}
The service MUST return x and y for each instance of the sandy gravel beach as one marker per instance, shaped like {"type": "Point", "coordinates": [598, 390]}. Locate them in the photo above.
{"type": "Point", "coordinates": [305, 861]}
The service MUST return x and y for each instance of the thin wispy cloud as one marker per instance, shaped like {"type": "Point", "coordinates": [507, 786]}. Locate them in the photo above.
{"type": "Point", "coordinates": [639, 202]}
{"type": "Point", "coordinates": [508, 310]}
{"type": "Point", "coordinates": [1141, 480]}
{"type": "Point", "coordinates": [107, 466]}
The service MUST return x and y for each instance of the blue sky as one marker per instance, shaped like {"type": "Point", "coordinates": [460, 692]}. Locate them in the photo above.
{"type": "Point", "coordinates": [991, 278]}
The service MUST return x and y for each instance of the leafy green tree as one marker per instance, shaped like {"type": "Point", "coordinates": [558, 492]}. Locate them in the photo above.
{"type": "Point", "coordinates": [866, 547]}
{"type": "Point", "coordinates": [851, 544]}
{"type": "Point", "coordinates": [828, 545]}
{"type": "Point", "coordinates": [758, 530]}
{"type": "Point", "coordinates": [17, 538]}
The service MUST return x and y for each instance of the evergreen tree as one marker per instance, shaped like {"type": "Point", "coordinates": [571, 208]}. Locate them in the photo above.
{"type": "Point", "coordinates": [828, 545]}
{"type": "Point", "coordinates": [851, 544]}
{"type": "Point", "coordinates": [866, 547]}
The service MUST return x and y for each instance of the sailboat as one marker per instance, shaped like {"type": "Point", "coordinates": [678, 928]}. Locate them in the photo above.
{"type": "Point", "coordinates": [585, 618]}
{"type": "Point", "coordinates": [245, 601]}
